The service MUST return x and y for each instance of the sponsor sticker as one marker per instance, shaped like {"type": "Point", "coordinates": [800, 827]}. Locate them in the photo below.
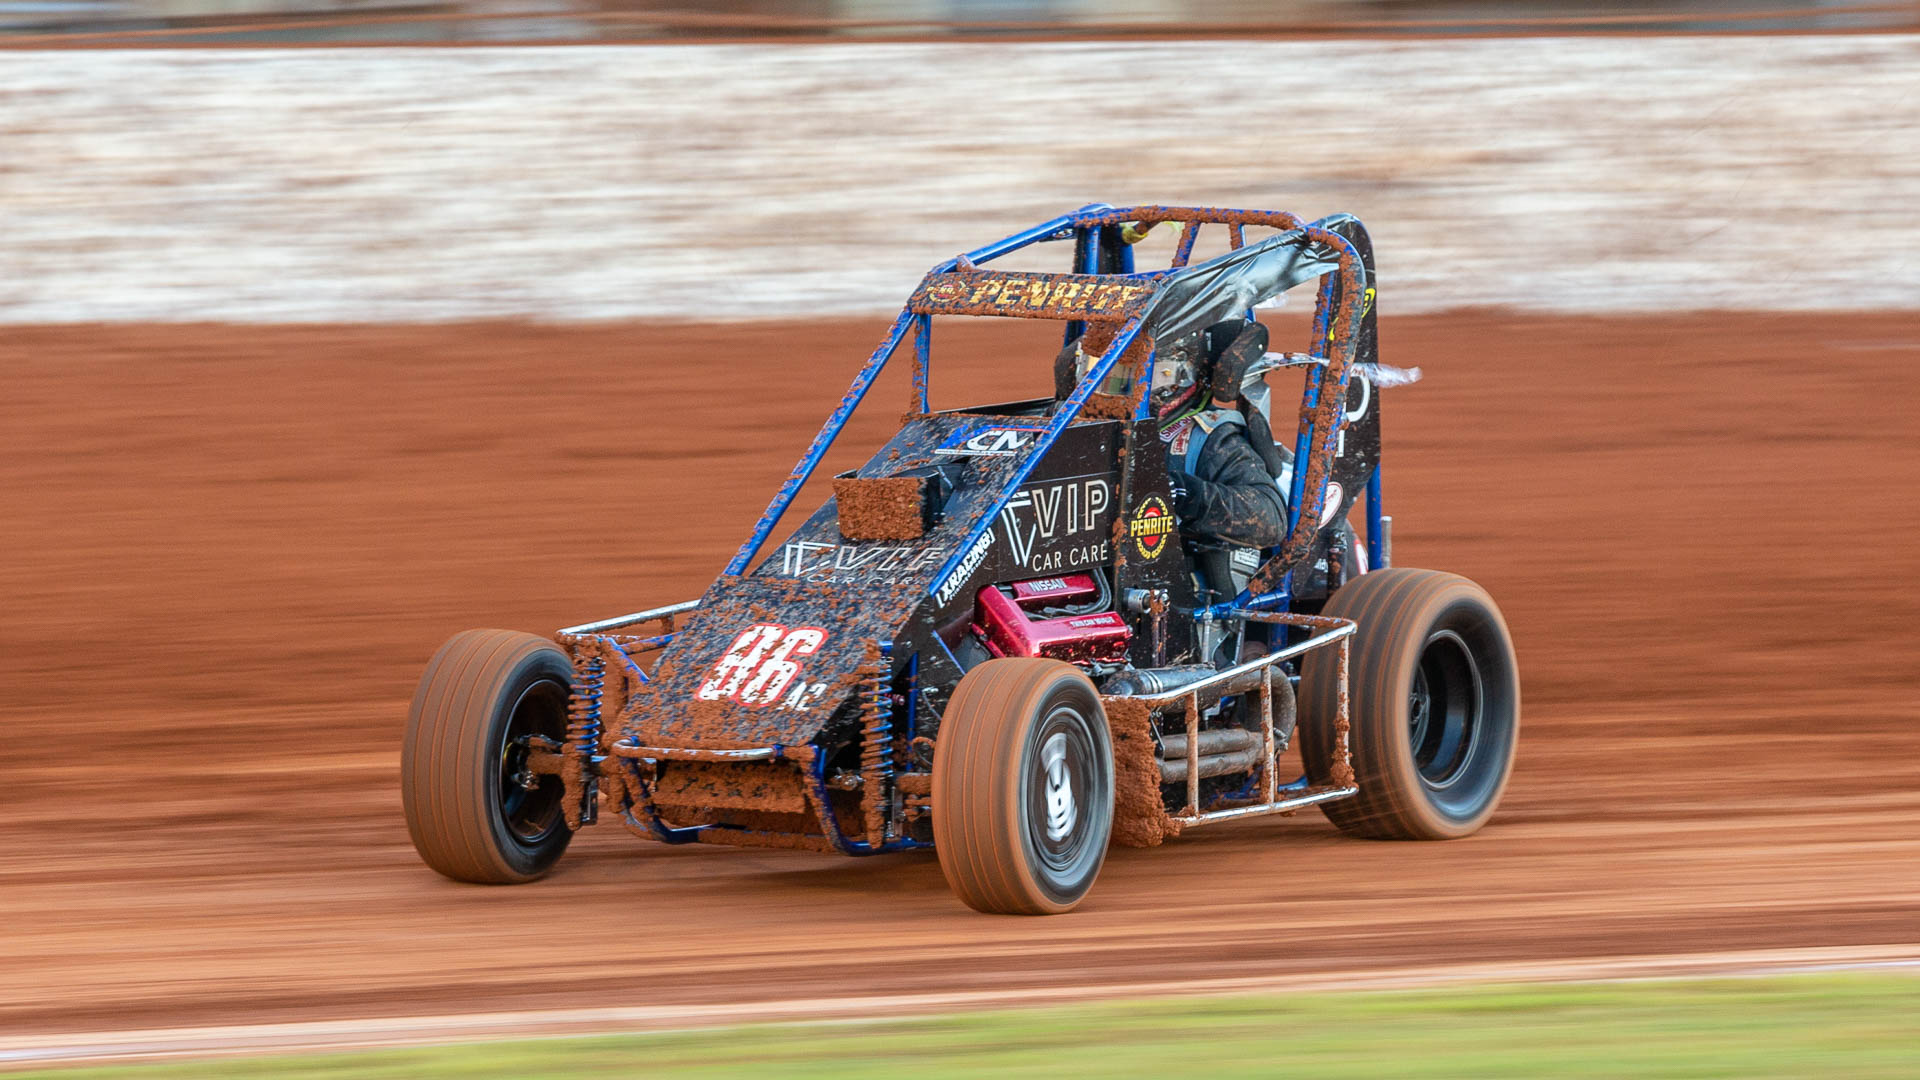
{"type": "Point", "coordinates": [992, 441]}
{"type": "Point", "coordinates": [1150, 526]}
{"type": "Point", "coordinates": [1041, 517]}
{"type": "Point", "coordinates": [1177, 435]}
{"type": "Point", "coordinates": [962, 573]}
{"type": "Point", "coordinates": [1051, 296]}
{"type": "Point", "coordinates": [1331, 508]}
{"type": "Point", "coordinates": [816, 561]}
{"type": "Point", "coordinates": [946, 290]}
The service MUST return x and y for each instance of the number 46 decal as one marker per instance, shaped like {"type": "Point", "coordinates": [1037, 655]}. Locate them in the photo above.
{"type": "Point", "coordinates": [762, 663]}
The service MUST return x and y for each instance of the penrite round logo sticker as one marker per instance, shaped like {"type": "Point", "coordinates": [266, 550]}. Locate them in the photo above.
{"type": "Point", "coordinates": [1152, 523]}
{"type": "Point", "coordinates": [946, 292]}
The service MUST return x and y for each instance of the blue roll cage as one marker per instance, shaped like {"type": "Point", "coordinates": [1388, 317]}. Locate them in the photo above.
{"type": "Point", "coordinates": [1336, 324]}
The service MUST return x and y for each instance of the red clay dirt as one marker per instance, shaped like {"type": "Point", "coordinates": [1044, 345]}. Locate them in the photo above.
{"type": "Point", "coordinates": [231, 550]}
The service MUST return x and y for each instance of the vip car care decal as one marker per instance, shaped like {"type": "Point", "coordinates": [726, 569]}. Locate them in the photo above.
{"type": "Point", "coordinates": [988, 441]}
{"type": "Point", "coordinates": [857, 564]}
{"type": "Point", "coordinates": [763, 665]}
{"type": "Point", "coordinates": [1151, 524]}
{"type": "Point", "coordinates": [1044, 296]}
{"type": "Point", "coordinates": [961, 573]}
{"type": "Point", "coordinates": [1060, 525]}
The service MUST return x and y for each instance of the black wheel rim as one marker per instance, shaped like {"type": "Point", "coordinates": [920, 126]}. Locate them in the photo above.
{"type": "Point", "coordinates": [529, 804]}
{"type": "Point", "coordinates": [1064, 798]}
{"type": "Point", "coordinates": [1445, 710]}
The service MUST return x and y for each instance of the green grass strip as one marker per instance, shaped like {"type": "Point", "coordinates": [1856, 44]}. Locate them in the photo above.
{"type": "Point", "coordinates": [1858, 1026]}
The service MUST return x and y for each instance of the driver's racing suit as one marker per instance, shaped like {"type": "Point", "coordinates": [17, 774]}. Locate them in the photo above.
{"type": "Point", "coordinates": [1223, 494]}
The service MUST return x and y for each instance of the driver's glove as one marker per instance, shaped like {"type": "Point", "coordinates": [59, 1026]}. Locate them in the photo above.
{"type": "Point", "coordinates": [1186, 495]}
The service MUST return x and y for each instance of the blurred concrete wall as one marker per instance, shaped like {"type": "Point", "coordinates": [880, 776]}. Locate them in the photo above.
{"type": "Point", "coordinates": [1588, 174]}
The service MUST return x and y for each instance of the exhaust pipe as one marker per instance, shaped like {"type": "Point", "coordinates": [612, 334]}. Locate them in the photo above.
{"type": "Point", "coordinates": [1222, 751]}
{"type": "Point", "coordinates": [1135, 682]}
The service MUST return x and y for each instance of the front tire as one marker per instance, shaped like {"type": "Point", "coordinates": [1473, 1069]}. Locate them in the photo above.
{"type": "Point", "coordinates": [1023, 787]}
{"type": "Point", "coordinates": [473, 809]}
{"type": "Point", "coordinates": [1434, 706]}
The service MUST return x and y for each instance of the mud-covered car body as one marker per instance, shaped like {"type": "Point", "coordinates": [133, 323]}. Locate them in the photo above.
{"type": "Point", "coordinates": [995, 638]}
{"type": "Point", "coordinates": [815, 667]}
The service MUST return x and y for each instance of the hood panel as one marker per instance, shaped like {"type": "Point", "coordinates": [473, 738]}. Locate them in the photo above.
{"type": "Point", "coordinates": [770, 656]}
{"type": "Point", "coordinates": [764, 661]}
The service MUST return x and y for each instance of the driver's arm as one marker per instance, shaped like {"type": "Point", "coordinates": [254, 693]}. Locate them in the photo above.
{"type": "Point", "coordinates": [1232, 498]}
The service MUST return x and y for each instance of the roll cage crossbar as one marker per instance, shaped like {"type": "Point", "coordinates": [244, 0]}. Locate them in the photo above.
{"type": "Point", "coordinates": [1125, 297]}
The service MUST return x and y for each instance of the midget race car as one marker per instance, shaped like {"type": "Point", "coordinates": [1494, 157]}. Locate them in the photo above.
{"type": "Point", "coordinates": [995, 639]}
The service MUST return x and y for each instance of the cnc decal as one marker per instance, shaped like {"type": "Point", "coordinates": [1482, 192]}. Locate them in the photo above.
{"type": "Point", "coordinates": [1151, 525]}
{"type": "Point", "coordinates": [994, 441]}
{"type": "Point", "coordinates": [763, 662]}
{"type": "Point", "coordinates": [1060, 525]}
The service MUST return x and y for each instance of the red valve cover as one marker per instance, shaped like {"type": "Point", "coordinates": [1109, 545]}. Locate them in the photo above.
{"type": "Point", "coordinates": [1011, 631]}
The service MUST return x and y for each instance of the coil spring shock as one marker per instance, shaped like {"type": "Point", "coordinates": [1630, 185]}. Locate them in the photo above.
{"type": "Point", "coordinates": [583, 737]}
{"type": "Point", "coordinates": [876, 750]}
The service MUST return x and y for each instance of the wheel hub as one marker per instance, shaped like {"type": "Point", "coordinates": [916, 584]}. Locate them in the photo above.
{"type": "Point", "coordinates": [1444, 709]}
{"type": "Point", "coordinates": [1059, 792]}
{"type": "Point", "coordinates": [530, 802]}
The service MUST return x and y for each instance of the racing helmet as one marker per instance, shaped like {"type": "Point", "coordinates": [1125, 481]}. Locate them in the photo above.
{"type": "Point", "coordinates": [1176, 387]}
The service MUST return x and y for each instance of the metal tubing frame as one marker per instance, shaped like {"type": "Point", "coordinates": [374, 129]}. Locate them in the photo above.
{"type": "Point", "coordinates": [1336, 629]}
{"type": "Point", "coordinates": [776, 752]}
{"type": "Point", "coordinates": [817, 793]}
{"type": "Point", "coordinates": [649, 615]}
{"type": "Point", "coordinates": [822, 442]}
{"type": "Point", "coordinates": [1065, 227]}
{"type": "Point", "coordinates": [1060, 228]}
{"type": "Point", "coordinates": [1276, 798]}
{"type": "Point", "coordinates": [1090, 217]}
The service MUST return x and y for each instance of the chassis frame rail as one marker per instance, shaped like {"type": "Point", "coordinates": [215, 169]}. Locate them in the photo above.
{"type": "Point", "coordinates": [581, 757]}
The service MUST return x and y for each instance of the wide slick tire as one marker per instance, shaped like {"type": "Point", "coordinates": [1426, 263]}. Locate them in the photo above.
{"type": "Point", "coordinates": [463, 782]}
{"type": "Point", "coordinates": [1434, 705]}
{"type": "Point", "coordinates": [1023, 787]}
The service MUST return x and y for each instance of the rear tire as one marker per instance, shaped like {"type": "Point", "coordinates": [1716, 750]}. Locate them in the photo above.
{"type": "Point", "coordinates": [1434, 706]}
{"type": "Point", "coordinates": [461, 767]}
{"type": "Point", "coordinates": [1023, 787]}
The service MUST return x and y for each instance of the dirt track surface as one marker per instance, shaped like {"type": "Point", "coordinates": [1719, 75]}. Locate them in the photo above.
{"type": "Point", "coordinates": [230, 551]}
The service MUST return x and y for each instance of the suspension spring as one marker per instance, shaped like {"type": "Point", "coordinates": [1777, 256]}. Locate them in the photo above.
{"type": "Point", "coordinates": [583, 737]}
{"type": "Point", "coordinates": [876, 750]}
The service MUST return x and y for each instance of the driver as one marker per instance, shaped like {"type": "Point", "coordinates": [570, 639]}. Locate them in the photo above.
{"type": "Point", "coordinates": [1223, 491]}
